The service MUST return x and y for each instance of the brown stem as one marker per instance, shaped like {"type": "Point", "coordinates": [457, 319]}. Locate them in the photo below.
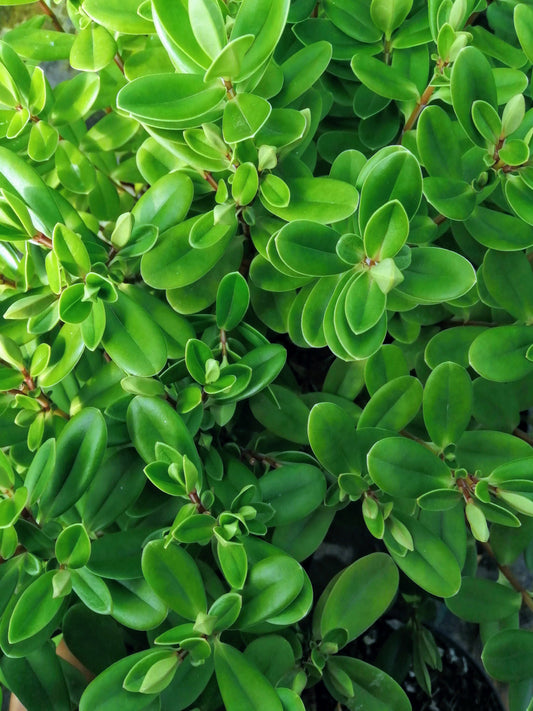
{"type": "Point", "coordinates": [473, 17]}
{"type": "Point", "coordinates": [523, 435]}
{"type": "Point", "coordinates": [212, 182]}
{"type": "Point", "coordinates": [526, 597]}
{"type": "Point", "coordinates": [118, 61]}
{"type": "Point", "coordinates": [254, 457]}
{"type": "Point", "coordinates": [39, 238]}
{"type": "Point", "coordinates": [315, 10]}
{"type": "Point", "coordinates": [51, 14]}
{"type": "Point", "coordinates": [223, 343]}
{"type": "Point", "coordinates": [420, 106]}
{"type": "Point", "coordinates": [28, 386]}
{"type": "Point", "coordinates": [439, 219]}
{"type": "Point", "coordinates": [193, 496]}
{"type": "Point", "coordinates": [407, 434]}
{"type": "Point", "coordinates": [229, 89]}
{"type": "Point", "coordinates": [4, 281]}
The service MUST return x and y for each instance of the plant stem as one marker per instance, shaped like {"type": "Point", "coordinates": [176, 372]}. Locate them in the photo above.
{"type": "Point", "coordinates": [212, 182]}
{"type": "Point", "coordinates": [526, 597]}
{"type": "Point", "coordinates": [193, 496]}
{"type": "Point", "coordinates": [118, 61]}
{"type": "Point", "coordinates": [45, 241]}
{"type": "Point", "coordinates": [420, 106]}
{"type": "Point", "coordinates": [254, 457]}
{"type": "Point", "coordinates": [51, 14]}
{"type": "Point", "coordinates": [4, 281]}
{"type": "Point", "coordinates": [523, 435]}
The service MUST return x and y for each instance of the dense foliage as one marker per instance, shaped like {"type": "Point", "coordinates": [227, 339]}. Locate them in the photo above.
{"type": "Point", "coordinates": [352, 173]}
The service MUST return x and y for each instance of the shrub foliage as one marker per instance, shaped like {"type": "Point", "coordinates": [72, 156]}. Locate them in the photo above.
{"type": "Point", "coordinates": [216, 174]}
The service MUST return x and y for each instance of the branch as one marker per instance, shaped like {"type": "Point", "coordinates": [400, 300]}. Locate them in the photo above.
{"type": "Point", "coordinates": [254, 457]}
{"type": "Point", "coordinates": [523, 435]}
{"type": "Point", "coordinates": [526, 597]}
{"type": "Point", "coordinates": [45, 241]}
{"type": "Point", "coordinates": [420, 106]}
{"type": "Point", "coordinates": [212, 182]}
{"type": "Point", "coordinates": [51, 14]}
{"type": "Point", "coordinates": [4, 281]}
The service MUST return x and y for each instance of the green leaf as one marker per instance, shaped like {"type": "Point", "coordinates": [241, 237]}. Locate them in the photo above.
{"type": "Point", "coordinates": [404, 468]}
{"type": "Point", "coordinates": [74, 171]}
{"type": "Point", "coordinates": [293, 490]}
{"type": "Point", "coordinates": [394, 405]}
{"type": "Point", "coordinates": [132, 339]}
{"type": "Point", "coordinates": [171, 100]}
{"type": "Point", "coordinates": [498, 230]}
{"type": "Point", "coordinates": [233, 298]}
{"type": "Point", "coordinates": [455, 199]}
{"type": "Point", "coordinates": [118, 555]}
{"type": "Point", "coordinates": [508, 657]}
{"type": "Point", "coordinates": [245, 184]}
{"type": "Point", "coordinates": [34, 609]}
{"type": "Point", "coordinates": [152, 420]}
{"type": "Point", "coordinates": [273, 584]}
{"type": "Point", "coordinates": [309, 248]}
{"type": "Point", "coordinates": [487, 121]}
{"type": "Point", "coordinates": [265, 20]}
{"type": "Point", "coordinates": [386, 231]}
{"type": "Point", "coordinates": [93, 49]}
{"type": "Point", "coordinates": [42, 142]}
{"type": "Point", "coordinates": [241, 684]}
{"type": "Point", "coordinates": [371, 686]}
{"type": "Point", "coordinates": [118, 16]}
{"type": "Point", "coordinates": [136, 605]}
{"type": "Point", "coordinates": [302, 70]}
{"type": "Point", "coordinates": [395, 176]}
{"type": "Point", "coordinates": [331, 436]}
{"type": "Point", "coordinates": [448, 400]}
{"type": "Point", "coordinates": [321, 200]}
{"type": "Point", "coordinates": [153, 673]}
{"type": "Point", "coordinates": [523, 22]}
{"type": "Point", "coordinates": [383, 79]}
{"type": "Point", "coordinates": [166, 202]}
{"type": "Point", "coordinates": [438, 144]}
{"type": "Point", "coordinates": [359, 596]}
{"type": "Point", "coordinates": [74, 98]}
{"type": "Point", "coordinates": [107, 693]}
{"type": "Point", "coordinates": [481, 600]}
{"type": "Point", "coordinates": [387, 364]}
{"type": "Point", "coordinates": [243, 116]}
{"type": "Point", "coordinates": [519, 195]}
{"type": "Point", "coordinates": [364, 303]}
{"type": "Point", "coordinates": [73, 546]}
{"type": "Point", "coordinates": [116, 485]}
{"type": "Point", "coordinates": [508, 278]}
{"type": "Point", "coordinates": [92, 591]}
{"type": "Point", "coordinates": [285, 416]}
{"type": "Point", "coordinates": [233, 562]}
{"type": "Point", "coordinates": [500, 353]}
{"type": "Point", "coordinates": [79, 453]}
{"type": "Point", "coordinates": [432, 564]}
{"type": "Point", "coordinates": [172, 573]}
{"type": "Point", "coordinates": [388, 16]}
{"type": "Point", "coordinates": [353, 18]}
{"type": "Point", "coordinates": [207, 23]}
{"type": "Point", "coordinates": [37, 679]}
{"type": "Point", "coordinates": [174, 264]}
{"type": "Point", "coordinates": [435, 275]}
{"type": "Point", "coordinates": [228, 63]}
{"type": "Point", "coordinates": [471, 79]}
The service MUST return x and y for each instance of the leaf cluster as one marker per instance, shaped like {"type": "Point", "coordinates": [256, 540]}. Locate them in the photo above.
{"type": "Point", "coordinates": [262, 262]}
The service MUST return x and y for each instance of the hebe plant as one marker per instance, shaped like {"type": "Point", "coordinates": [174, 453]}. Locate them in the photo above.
{"type": "Point", "coordinates": [354, 173]}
